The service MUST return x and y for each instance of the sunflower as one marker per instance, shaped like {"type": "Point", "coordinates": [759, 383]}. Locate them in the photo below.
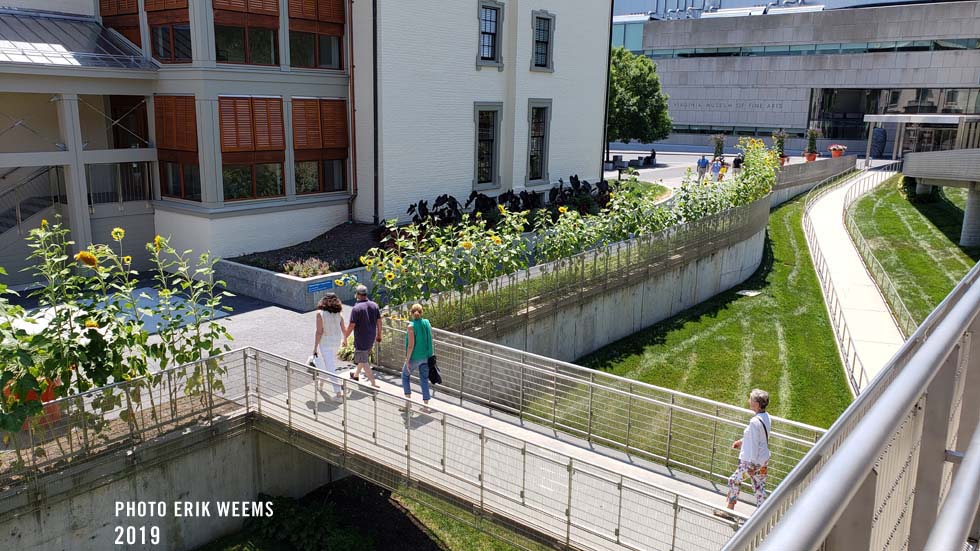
{"type": "Point", "coordinates": [338, 282]}
{"type": "Point", "coordinates": [467, 245]}
{"type": "Point", "coordinates": [501, 209]}
{"type": "Point", "coordinates": [158, 243]}
{"type": "Point", "coordinates": [118, 234]}
{"type": "Point", "coordinates": [44, 223]}
{"type": "Point", "coordinates": [397, 261]}
{"type": "Point", "coordinates": [496, 240]}
{"type": "Point", "coordinates": [91, 324]}
{"type": "Point", "coordinates": [87, 258]}
{"type": "Point", "coordinates": [389, 276]}
{"type": "Point", "coordinates": [562, 210]}
{"type": "Point", "coordinates": [369, 262]}
{"type": "Point", "coordinates": [363, 260]}
{"type": "Point", "coordinates": [127, 260]}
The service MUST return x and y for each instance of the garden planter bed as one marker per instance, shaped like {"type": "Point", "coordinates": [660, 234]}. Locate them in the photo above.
{"type": "Point", "coordinates": [297, 293]}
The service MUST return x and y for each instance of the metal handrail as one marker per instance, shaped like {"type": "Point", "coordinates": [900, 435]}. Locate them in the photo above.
{"type": "Point", "coordinates": [960, 508]}
{"type": "Point", "coordinates": [773, 512]}
{"type": "Point", "coordinates": [576, 502]}
{"type": "Point", "coordinates": [889, 291]}
{"type": "Point", "coordinates": [13, 196]}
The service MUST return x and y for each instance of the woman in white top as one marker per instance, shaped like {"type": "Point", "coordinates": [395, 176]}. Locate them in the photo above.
{"type": "Point", "coordinates": [330, 331]}
{"type": "Point", "coordinates": [753, 455]}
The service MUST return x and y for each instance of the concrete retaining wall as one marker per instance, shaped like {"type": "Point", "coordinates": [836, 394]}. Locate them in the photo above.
{"type": "Point", "coordinates": [286, 290]}
{"type": "Point", "coordinates": [578, 328]}
{"type": "Point", "coordinates": [801, 178]}
{"type": "Point", "coordinates": [77, 511]}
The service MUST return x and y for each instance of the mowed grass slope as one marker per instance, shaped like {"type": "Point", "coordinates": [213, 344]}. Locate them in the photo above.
{"type": "Point", "coordinates": [780, 340]}
{"type": "Point", "coordinates": [917, 243]}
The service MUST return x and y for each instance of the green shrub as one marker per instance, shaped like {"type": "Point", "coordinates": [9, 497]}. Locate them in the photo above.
{"type": "Point", "coordinates": [309, 267]}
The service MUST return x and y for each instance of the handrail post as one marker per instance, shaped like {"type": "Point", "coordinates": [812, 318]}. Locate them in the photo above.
{"type": "Point", "coordinates": [248, 407]}
{"type": "Point", "coordinates": [483, 447]}
{"type": "Point", "coordinates": [554, 398]}
{"type": "Point", "coordinates": [568, 511]}
{"type": "Point", "coordinates": [408, 438]}
{"type": "Point", "coordinates": [258, 387]}
{"type": "Point", "coordinates": [670, 430]}
{"type": "Point", "coordinates": [520, 408]}
{"type": "Point", "coordinates": [591, 390]}
{"type": "Point", "coordinates": [673, 531]}
{"type": "Point", "coordinates": [619, 508]}
{"type": "Point", "coordinates": [316, 396]}
{"type": "Point", "coordinates": [289, 398]}
{"type": "Point", "coordinates": [629, 417]}
{"type": "Point", "coordinates": [443, 460]}
{"type": "Point", "coordinates": [714, 443]}
{"type": "Point", "coordinates": [343, 422]}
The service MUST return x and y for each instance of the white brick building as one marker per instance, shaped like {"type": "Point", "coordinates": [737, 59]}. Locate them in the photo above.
{"type": "Point", "coordinates": [237, 126]}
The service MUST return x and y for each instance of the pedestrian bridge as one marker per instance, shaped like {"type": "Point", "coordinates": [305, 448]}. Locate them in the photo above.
{"type": "Point", "coordinates": [577, 457]}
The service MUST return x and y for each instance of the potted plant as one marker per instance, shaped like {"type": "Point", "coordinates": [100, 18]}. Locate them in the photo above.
{"type": "Point", "coordinates": [836, 150]}
{"type": "Point", "coordinates": [719, 142]}
{"type": "Point", "coordinates": [779, 142]}
{"type": "Point", "coordinates": [811, 145]}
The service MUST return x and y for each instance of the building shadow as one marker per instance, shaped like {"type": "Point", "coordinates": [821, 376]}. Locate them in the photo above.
{"type": "Point", "coordinates": [947, 217]}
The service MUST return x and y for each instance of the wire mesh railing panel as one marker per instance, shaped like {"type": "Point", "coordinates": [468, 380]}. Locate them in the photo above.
{"type": "Point", "coordinates": [896, 467]}
{"type": "Point", "coordinates": [696, 527]}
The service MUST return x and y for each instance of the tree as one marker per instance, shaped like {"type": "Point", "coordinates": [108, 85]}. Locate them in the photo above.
{"type": "Point", "coordinates": [637, 105]}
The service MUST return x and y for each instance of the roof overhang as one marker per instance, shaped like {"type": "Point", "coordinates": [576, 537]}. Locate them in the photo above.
{"type": "Point", "coordinates": [923, 118]}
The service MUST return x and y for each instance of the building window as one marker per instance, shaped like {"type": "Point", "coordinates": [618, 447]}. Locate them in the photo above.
{"type": "Point", "coordinates": [491, 16]}
{"type": "Point", "coordinates": [171, 43]}
{"type": "Point", "coordinates": [539, 123]}
{"type": "Point", "coordinates": [542, 52]}
{"type": "Point", "coordinates": [314, 50]}
{"type": "Point", "coordinates": [486, 169]}
{"type": "Point", "coordinates": [252, 147]}
{"type": "Point", "coordinates": [179, 180]}
{"type": "Point", "coordinates": [246, 31]}
{"type": "Point", "coordinates": [117, 7]}
{"type": "Point", "coordinates": [320, 143]}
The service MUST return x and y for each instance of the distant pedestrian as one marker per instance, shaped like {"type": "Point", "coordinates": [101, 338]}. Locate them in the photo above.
{"type": "Point", "coordinates": [737, 165]}
{"type": "Point", "coordinates": [330, 331]}
{"type": "Point", "coordinates": [723, 171]}
{"type": "Point", "coordinates": [365, 323]}
{"type": "Point", "coordinates": [702, 167]}
{"type": "Point", "coordinates": [753, 455]}
{"type": "Point", "coordinates": [715, 168]}
{"type": "Point", "coordinates": [418, 350]}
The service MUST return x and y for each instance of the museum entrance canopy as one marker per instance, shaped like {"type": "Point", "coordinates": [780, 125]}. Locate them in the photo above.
{"type": "Point", "coordinates": [919, 132]}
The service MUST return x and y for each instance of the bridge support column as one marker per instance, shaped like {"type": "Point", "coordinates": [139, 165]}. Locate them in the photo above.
{"type": "Point", "coordinates": [923, 189]}
{"type": "Point", "coordinates": [932, 450]}
{"type": "Point", "coordinates": [76, 186]}
{"type": "Point", "coordinates": [853, 529]}
{"type": "Point", "coordinates": [970, 236]}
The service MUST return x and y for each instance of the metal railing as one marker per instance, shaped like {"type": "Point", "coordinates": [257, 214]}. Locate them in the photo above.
{"type": "Point", "coordinates": [595, 504]}
{"type": "Point", "coordinates": [857, 375]}
{"type": "Point", "coordinates": [118, 182]}
{"type": "Point", "coordinates": [900, 312]}
{"type": "Point", "coordinates": [39, 190]}
{"type": "Point", "coordinates": [884, 446]}
{"type": "Point", "coordinates": [960, 506]}
{"type": "Point", "coordinates": [678, 430]}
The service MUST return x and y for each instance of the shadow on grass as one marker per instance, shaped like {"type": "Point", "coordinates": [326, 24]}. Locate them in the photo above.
{"type": "Point", "coordinates": [947, 217]}
{"type": "Point", "coordinates": [657, 334]}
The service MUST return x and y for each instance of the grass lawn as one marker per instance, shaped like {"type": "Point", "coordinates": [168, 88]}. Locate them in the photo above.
{"type": "Point", "coordinates": [658, 191]}
{"type": "Point", "coordinates": [780, 340]}
{"type": "Point", "coordinates": [916, 243]}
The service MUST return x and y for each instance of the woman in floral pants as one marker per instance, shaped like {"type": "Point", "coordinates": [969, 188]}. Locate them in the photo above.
{"type": "Point", "coordinates": [753, 456]}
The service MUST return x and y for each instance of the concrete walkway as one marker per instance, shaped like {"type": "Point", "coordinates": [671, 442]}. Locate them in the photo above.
{"type": "Point", "coordinates": [875, 335]}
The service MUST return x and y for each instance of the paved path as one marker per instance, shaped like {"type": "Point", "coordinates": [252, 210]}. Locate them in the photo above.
{"type": "Point", "coordinates": [875, 334]}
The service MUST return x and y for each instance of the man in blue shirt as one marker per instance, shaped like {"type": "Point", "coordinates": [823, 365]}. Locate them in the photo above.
{"type": "Point", "coordinates": [365, 323]}
{"type": "Point", "coordinates": [702, 167]}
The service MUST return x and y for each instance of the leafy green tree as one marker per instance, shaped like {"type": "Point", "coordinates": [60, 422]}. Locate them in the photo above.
{"type": "Point", "coordinates": [637, 105]}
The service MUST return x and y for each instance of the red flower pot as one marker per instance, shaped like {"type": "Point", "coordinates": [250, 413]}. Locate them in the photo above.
{"type": "Point", "coordinates": [782, 160]}
{"type": "Point", "coordinates": [836, 152]}
{"type": "Point", "coordinates": [810, 157]}
{"type": "Point", "coordinates": [52, 412]}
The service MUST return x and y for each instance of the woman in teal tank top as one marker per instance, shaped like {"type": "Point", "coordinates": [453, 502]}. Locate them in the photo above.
{"type": "Point", "coordinates": [418, 350]}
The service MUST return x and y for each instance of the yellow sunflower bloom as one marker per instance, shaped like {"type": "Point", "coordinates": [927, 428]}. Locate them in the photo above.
{"type": "Point", "coordinates": [397, 261]}
{"type": "Point", "coordinates": [369, 262]}
{"type": "Point", "coordinates": [44, 223]}
{"type": "Point", "coordinates": [158, 243]}
{"type": "Point", "coordinates": [496, 240]}
{"type": "Point", "coordinates": [87, 258]}
{"type": "Point", "coordinates": [127, 260]}
{"type": "Point", "coordinates": [91, 324]}
{"type": "Point", "coordinates": [562, 210]}
{"type": "Point", "coordinates": [501, 209]}
{"type": "Point", "coordinates": [390, 276]}
{"type": "Point", "coordinates": [338, 282]}
{"type": "Point", "coordinates": [118, 234]}
{"type": "Point", "coordinates": [467, 245]}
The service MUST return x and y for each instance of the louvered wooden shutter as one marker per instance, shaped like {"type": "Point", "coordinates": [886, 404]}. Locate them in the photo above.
{"type": "Point", "coordinates": [126, 6]}
{"type": "Point", "coordinates": [265, 7]}
{"type": "Point", "coordinates": [107, 7]}
{"type": "Point", "coordinates": [235, 116]}
{"type": "Point", "coordinates": [267, 120]}
{"type": "Point", "coordinates": [330, 10]}
{"type": "Point", "coordinates": [333, 122]}
{"type": "Point", "coordinates": [186, 117]}
{"type": "Point", "coordinates": [159, 5]}
{"type": "Point", "coordinates": [302, 9]}
{"type": "Point", "coordinates": [233, 5]}
{"type": "Point", "coordinates": [132, 34]}
{"type": "Point", "coordinates": [166, 123]}
{"type": "Point", "coordinates": [306, 124]}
